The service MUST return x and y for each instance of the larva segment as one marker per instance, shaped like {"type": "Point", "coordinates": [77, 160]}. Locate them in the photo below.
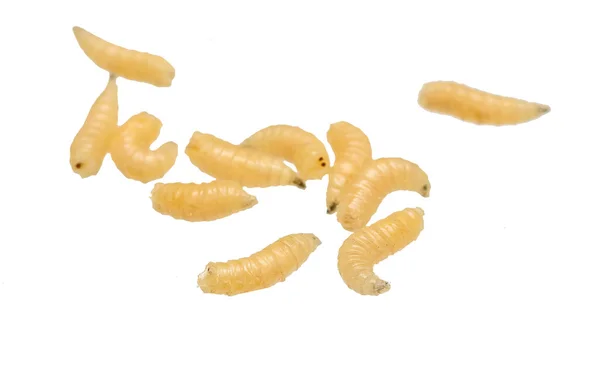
{"type": "Point", "coordinates": [370, 245]}
{"type": "Point", "coordinates": [352, 149]}
{"type": "Point", "coordinates": [261, 270]}
{"type": "Point", "coordinates": [91, 143]}
{"type": "Point", "coordinates": [247, 166]}
{"type": "Point", "coordinates": [295, 145]}
{"type": "Point", "coordinates": [201, 202]}
{"type": "Point", "coordinates": [373, 183]}
{"type": "Point", "coordinates": [131, 153]}
{"type": "Point", "coordinates": [476, 106]}
{"type": "Point", "coordinates": [129, 64]}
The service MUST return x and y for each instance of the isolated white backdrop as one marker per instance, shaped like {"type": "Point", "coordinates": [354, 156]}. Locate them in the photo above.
{"type": "Point", "coordinates": [502, 283]}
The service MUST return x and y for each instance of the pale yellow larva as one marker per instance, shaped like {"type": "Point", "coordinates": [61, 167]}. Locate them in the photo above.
{"type": "Point", "coordinates": [131, 153]}
{"type": "Point", "coordinates": [201, 202]}
{"type": "Point", "coordinates": [352, 149]}
{"type": "Point", "coordinates": [295, 145]}
{"type": "Point", "coordinates": [373, 183]}
{"type": "Point", "coordinates": [372, 244]}
{"type": "Point", "coordinates": [261, 270]}
{"type": "Point", "coordinates": [247, 166]}
{"type": "Point", "coordinates": [91, 143]}
{"type": "Point", "coordinates": [476, 106]}
{"type": "Point", "coordinates": [129, 64]}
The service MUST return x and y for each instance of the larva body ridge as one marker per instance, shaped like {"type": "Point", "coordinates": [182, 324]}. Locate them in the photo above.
{"type": "Point", "coordinates": [352, 149]}
{"type": "Point", "coordinates": [131, 153]}
{"type": "Point", "coordinates": [92, 141]}
{"type": "Point", "coordinates": [261, 270]}
{"type": "Point", "coordinates": [201, 202]}
{"type": "Point", "coordinates": [248, 166]}
{"type": "Point", "coordinates": [295, 145]}
{"type": "Point", "coordinates": [373, 183]}
{"type": "Point", "coordinates": [129, 64]}
{"type": "Point", "coordinates": [372, 244]}
{"type": "Point", "coordinates": [475, 106]}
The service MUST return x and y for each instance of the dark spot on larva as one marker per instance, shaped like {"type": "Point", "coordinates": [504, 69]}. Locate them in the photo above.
{"type": "Point", "coordinates": [323, 164]}
{"type": "Point", "coordinates": [78, 165]}
{"type": "Point", "coordinates": [331, 208]}
{"type": "Point", "coordinates": [299, 183]}
{"type": "Point", "coordinates": [425, 187]}
{"type": "Point", "coordinates": [320, 159]}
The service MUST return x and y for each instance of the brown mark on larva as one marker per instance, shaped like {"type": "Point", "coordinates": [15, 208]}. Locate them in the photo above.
{"type": "Point", "coordinates": [299, 183]}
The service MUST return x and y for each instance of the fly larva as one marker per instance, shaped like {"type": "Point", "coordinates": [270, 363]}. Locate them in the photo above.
{"type": "Point", "coordinates": [476, 106]}
{"type": "Point", "coordinates": [201, 202]}
{"type": "Point", "coordinates": [352, 149]}
{"type": "Point", "coordinates": [130, 149]}
{"type": "Point", "coordinates": [376, 180]}
{"type": "Point", "coordinates": [261, 270]}
{"type": "Point", "coordinates": [294, 145]}
{"type": "Point", "coordinates": [129, 64]}
{"type": "Point", "coordinates": [374, 243]}
{"type": "Point", "coordinates": [247, 166]}
{"type": "Point", "coordinates": [91, 143]}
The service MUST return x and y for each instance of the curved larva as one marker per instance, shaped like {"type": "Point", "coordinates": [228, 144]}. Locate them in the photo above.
{"type": "Point", "coordinates": [201, 202]}
{"type": "Point", "coordinates": [247, 166]}
{"type": "Point", "coordinates": [476, 106]}
{"type": "Point", "coordinates": [295, 145]}
{"type": "Point", "coordinates": [130, 149]}
{"type": "Point", "coordinates": [352, 149]}
{"type": "Point", "coordinates": [373, 183]}
{"type": "Point", "coordinates": [129, 64]}
{"type": "Point", "coordinates": [92, 142]}
{"type": "Point", "coordinates": [261, 270]}
{"type": "Point", "coordinates": [372, 244]}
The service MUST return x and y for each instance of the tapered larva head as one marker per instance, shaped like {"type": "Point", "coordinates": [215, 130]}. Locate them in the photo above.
{"type": "Point", "coordinates": [331, 207]}
{"type": "Point", "coordinates": [425, 188]}
{"type": "Point", "coordinates": [299, 183]}
{"type": "Point", "coordinates": [83, 166]}
{"type": "Point", "coordinates": [543, 109]}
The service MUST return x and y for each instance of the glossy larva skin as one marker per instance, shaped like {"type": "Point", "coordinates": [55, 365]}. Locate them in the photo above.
{"type": "Point", "coordinates": [352, 149]}
{"type": "Point", "coordinates": [247, 166]}
{"type": "Point", "coordinates": [131, 153]}
{"type": "Point", "coordinates": [294, 145]}
{"type": "Point", "coordinates": [91, 143]}
{"type": "Point", "coordinates": [373, 183]}
{"type": "Point", "coordinates": [201, 202]}
{"type": "Point", "coordinates": [476, 106]}
{"type": "Point", "coordinates": [261, 270]}
{"type": "Point", "coordinates": [374, 243]}
{"type": "Point", "coordinates": [129, 64]}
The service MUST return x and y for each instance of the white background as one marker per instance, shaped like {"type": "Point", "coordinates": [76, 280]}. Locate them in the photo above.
{"type": "Point", "coordinates": [503, 282]}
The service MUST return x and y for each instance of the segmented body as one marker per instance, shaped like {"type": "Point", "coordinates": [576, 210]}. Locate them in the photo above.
{"type": "Point", "coordinates": [352, 149]}
{"type": "Point", "coordinates": [372, 244]}
{"type": "Point", "coordinates": [247, 166]}
{"type": "Point", "coordinates": [129, 64]}
{"type": "Point", "coordinates": [294, 145]}
{"type": "Point", "coordinates": [131, 153]}
{"type": "Point", "coordinates": [261, 270]}
{"type": "Point", "coordinates": [92, 141]}
{"type": "Point", "coordinates": [201, 202]}
{"type": "Point", "coordinates": [373, 183]}
{"type": "Point", "coordinates": [472, 105]}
